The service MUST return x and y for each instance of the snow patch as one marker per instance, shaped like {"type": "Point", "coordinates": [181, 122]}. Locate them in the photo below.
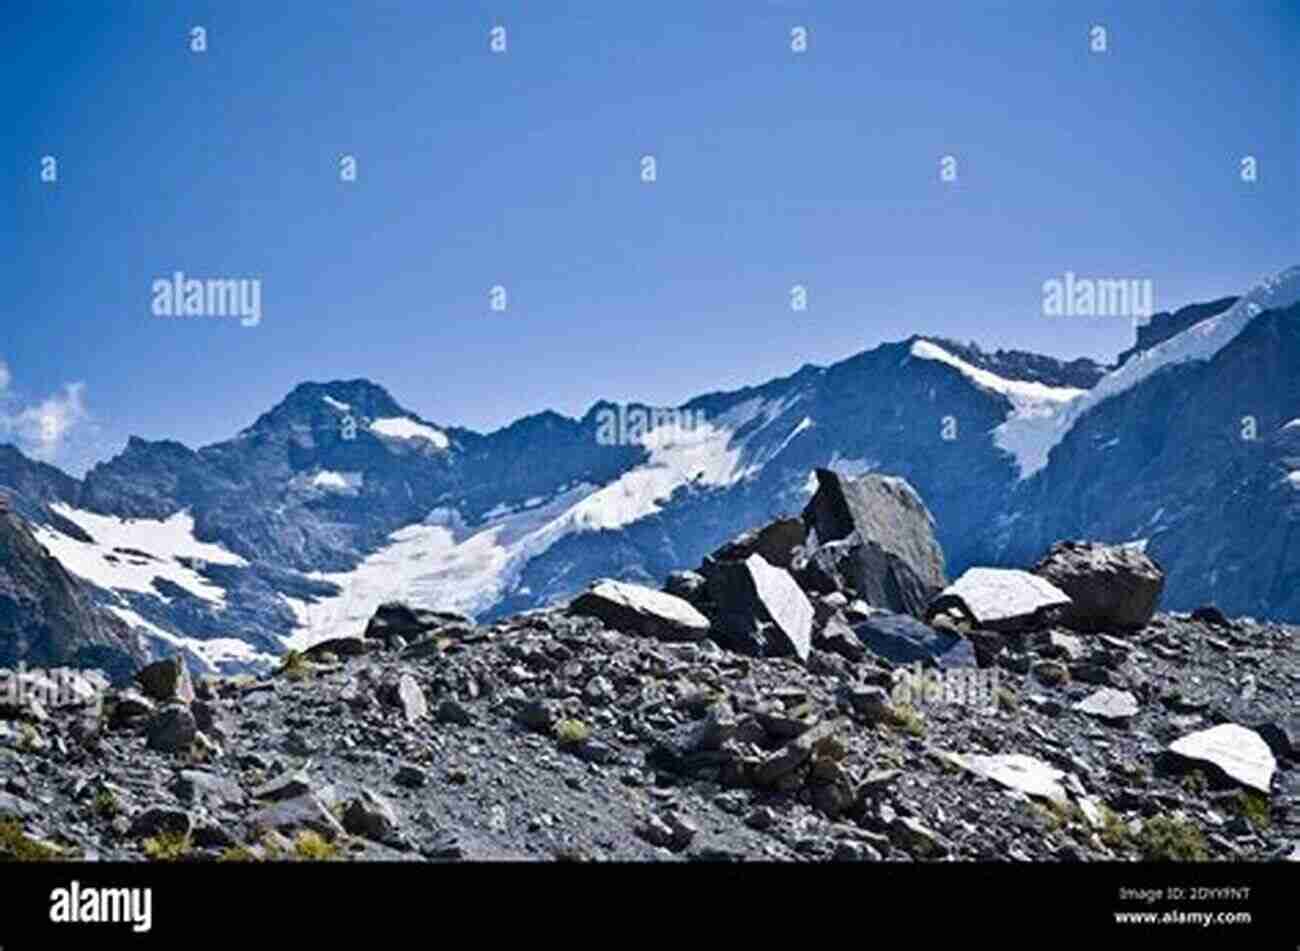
{"type": "Point", "coordinates": [1039, 433]}
{"type": "Point", "coordinates": [1029, 430]}
{"type": "Point", "coordinates": [401, 427]}
{"type": "Point", "coordinates": [128, 554]}
{"type": "Point", "coordinates": [341, 407]}
{"type": "Point", "coordinates": [337, 481]}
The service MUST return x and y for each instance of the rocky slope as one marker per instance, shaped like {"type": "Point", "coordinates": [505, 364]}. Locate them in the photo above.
{"type": "Point", "coordinates": [643, 724]}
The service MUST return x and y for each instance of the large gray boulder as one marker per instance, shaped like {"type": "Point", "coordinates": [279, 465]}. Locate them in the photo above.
{"type": "Point", "coordinates": [1111, 586]}
{"type": "Point", "coordinates": [895, 561]}
{"type": "Point", "coordinates": [1001, 599]}
{"type": "Point", "coordinates": [634, 609]}
{"type": "Point", "coordinates": [760, 609]}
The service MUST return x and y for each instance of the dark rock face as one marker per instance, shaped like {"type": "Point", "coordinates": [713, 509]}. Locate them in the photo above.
{"type": "Point", "coordinates": [776, 542]}
{"type": "Point", "coordinates": [396, 619]}
{"type": "Point", "coordinates": [760, 609]}
{"type": "Point", "coordinates": [47, 617]}
{"type": "Point", "coordinates": [903, 640]}
{"type": "Point", "coordinates": [895, 561]}
{"type": "Point", "coordinates": [1110, 586]}
{"type": "Point", "coordinates": [167, 681]}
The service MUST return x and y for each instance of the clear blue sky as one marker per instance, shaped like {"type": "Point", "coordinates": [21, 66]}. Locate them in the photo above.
{"type": "Point", "coordinates": [523, 170]}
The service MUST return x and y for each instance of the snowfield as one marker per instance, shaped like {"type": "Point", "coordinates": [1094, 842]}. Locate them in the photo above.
{"type": "Point", "coordinates": [400, 427]}
{"type": "Point", "coordinates": [128, 554]}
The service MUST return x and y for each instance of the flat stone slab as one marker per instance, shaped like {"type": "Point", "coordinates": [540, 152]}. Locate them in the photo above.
{"type": "Point", "coordinates": [1109, 704]}
{"type": "Point", "coordinates": [1001, 598]}
{"type": "Point", "coordinates": [1016, 771]}
{"type": "Point", "coordinates": [1241, 754]}
{"type": "Point", "coordinates": [634, 609]}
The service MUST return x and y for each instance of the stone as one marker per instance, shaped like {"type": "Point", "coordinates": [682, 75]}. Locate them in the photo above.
{"type": "Point", "coordinates": [212, 719]}
{"type": "Point", "coordinates": [308, 811]}
{"type": "Point", "coordinates": [1238, 753]}
{"type": "Point", "coordinates": [405, 694]}
{"type": "Point", "coordinates": [761, 609]}
{"type": "Point", "coordinates": [539, 715]}
{"type": "Point", "coordinates": [410, 776]}
{"type": "Point", "coordinates": [167, 681]}
{"type": "Point", "coordinates": [914, 837]}
{"type": "Point", "coordinates": [903, 640]}
{"type": "Point", "coordinates": [159, 821]}
{"type": "Point", "coordinates": [172, 729]}
{"type": "Point", "coordinates": [797, 752]}
{"type": "Point", "coordinates": [1002, 599]}
{"type": "Point", "coordinates": [288, 785]}
{"type": "Point", "coordinates": [451, 710]}
{"type": "Point", "coordinates": [1016, 771]}
{"type": "Point", "coordinates": [372, 816]}
{"type": "Point", "coordinates": [130, 708]}
{"type": "Point", "coordinates": [1282, 736]}
{"type": "Point", "coordinates": [668, 830]}
{"type": "Point", "coordinates": [398, 619]}
{"type": "Point", "coordinates": [900, 565]}
{"type": "Point", "coordinates": [1111, 587]}
{"type": "Point", "coordinates": [687, 585]}
{"type": "Point", "coordinates": [634, 609]}
{"type": "Point", "coordinates": [198, 786]}
{"type": "Point", "coordinates": [776, 542]}
{"type": "Point", "coordinates": [1109, 704]}
{"type": "Point", "coordinates": [351, 646]}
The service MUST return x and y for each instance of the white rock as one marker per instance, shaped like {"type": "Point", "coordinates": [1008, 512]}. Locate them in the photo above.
{"type": "Point", "coordinates": [1016, 771]}
{"type": "Point", "coordinates": [1001, 597]}
{"type": "Point", "coordinates": [1109, 704]}
{"type": "Point", "coordinates": [1241, 753]}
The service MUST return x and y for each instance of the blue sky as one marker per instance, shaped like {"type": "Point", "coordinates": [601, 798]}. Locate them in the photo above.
{"type": "Point", "coordinates": [523, 169]}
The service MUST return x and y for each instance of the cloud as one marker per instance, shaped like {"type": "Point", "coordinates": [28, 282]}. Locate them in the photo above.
{"type": "Point", "coordinates": [41, 429]}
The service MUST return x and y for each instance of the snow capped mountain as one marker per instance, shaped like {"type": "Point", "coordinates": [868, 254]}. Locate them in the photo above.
{"type": "Point", "coordinates": [339, 499]}
{"type": "Point", "coordinates": [1036, 408]}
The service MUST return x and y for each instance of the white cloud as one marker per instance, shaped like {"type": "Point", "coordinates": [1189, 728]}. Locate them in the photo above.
{"type": "Point", "coordinates": [41, 429]}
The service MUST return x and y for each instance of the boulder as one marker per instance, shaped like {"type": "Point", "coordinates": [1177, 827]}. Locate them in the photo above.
{"type": "Point", "coordinates": [634, 609]}
{"type": "Point", "coordinates": [1237, 753]}
{"type": "Point", "coordinates": [158, 821]}
{"type": "Point", "coordinates": [167, 681]}
{"type": "Point", "coordinates": [350, 646]}
{"type": "Point", "coordinates": [406, 695]}
{"type": "Point", "coordinates": [760, 609]}
{"type": "Point", "coordinates": [776, 542]}
{"type": "Point", "coordinates": [372, 816]}
{"type": "Point", "coordinates": [172, 729]}
{"type": "Point", "coordinates": [1002, 599]}
{"type": "Point", "coordinates": [687, 585]}
{"type": "Point", "coordinates": [398, 619]}
{"type": "Point", "coordinates": [897, 563]}
{"type": "Point", "coordinates": [1111, 587]}
{"type": "Point", "coordinates": [902, 640]}
{"type": "Point", "coordinates": [302, 812]}
{"type": "Point", "coordinates": [1109, 704]}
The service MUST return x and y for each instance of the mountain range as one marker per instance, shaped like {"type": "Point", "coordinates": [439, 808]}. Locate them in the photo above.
{"type": "Point", "coordinates": [339, 498]}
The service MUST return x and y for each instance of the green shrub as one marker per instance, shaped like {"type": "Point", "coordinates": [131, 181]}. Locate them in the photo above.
{"type": "Point", "coordinates": [313, 847]}
{"type": "Point", "coordinates": [166, 847]}
{"type": "Point", "coordinates": [15, 846]}
{"type": "Point", "coordinates": [1170, 839]}
{"type": "Point", "coordinates": [1255, 807]}
{"type": "Point", "coordinates": [570, 731]}
{"type": "Point", "coordinates": [106, 805]}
